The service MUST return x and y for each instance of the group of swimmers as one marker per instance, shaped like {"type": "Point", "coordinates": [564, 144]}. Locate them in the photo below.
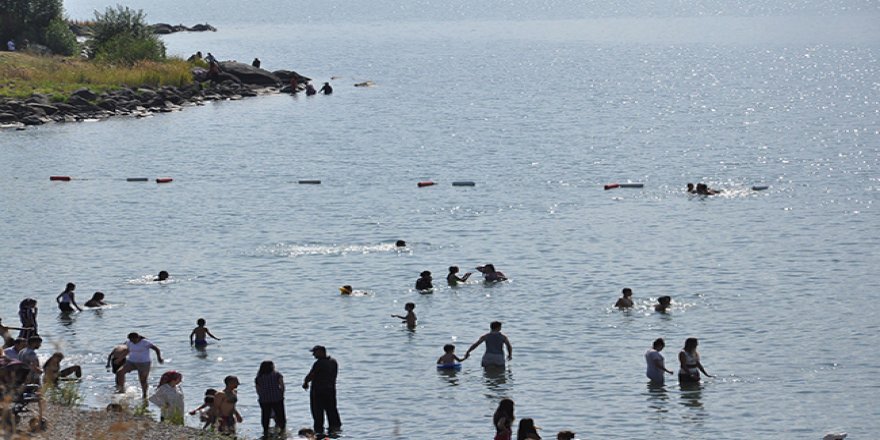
{"type": "Point", "coordinates": [625, 301]}
{"type": "Point", "coordinates": [425, 283]}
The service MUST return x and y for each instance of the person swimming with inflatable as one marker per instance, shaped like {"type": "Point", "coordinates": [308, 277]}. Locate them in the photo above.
{"type": "Point", "coordinates": [490, 274]}
{"type": "Point", "coordinates": [449, 359]}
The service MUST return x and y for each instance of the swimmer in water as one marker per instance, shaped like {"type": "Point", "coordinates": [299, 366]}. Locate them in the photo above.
{"type": "Point", "coordinates": [400, 243]}
{"type": "Point", "coordinates": [345, 290]}
{"type": "Point", "coordinates": [625, 301]}
{"type": "Point", "coordinates": [162, 276]}
{"type": "Point", "coordinates": [197, 337]}
{"type": "Point", "coordinates": [490, 274]}
{"type": "Point", "coordinates": [453, 279]}
{"type": "Point", "coordinates": [410, 318]}
{"type": "Point", "coordinates": [425, 281]}
{"type": "Point", "coordinates": [663, 304]}
{"type": "Point", "coordinates": [704, 190]}
{"type": "Point", "coordinates": [690, 188]}
{"type": "Point", "coordinates": [97, 300]}
{"type": "Point", "coordinates": [449, 357]}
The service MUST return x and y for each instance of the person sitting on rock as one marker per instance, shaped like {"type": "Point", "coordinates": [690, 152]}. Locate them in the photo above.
{"type": "Point", "coordinates": [214, 71]}
{"type": "Point", "coordinates": [256, 63]}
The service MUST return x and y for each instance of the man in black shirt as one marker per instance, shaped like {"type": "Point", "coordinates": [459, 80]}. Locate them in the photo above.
{"type": "Point", "coordinates": [322, 398]}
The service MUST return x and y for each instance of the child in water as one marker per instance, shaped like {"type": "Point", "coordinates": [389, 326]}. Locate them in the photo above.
{"type": "Point", "coordinates": [663, 304]}
{"type": "Point", "coordinates": [410, 318]}
{"type": "Point", "coordinates": [625, 301]}
{"type": "Point", "coordinates": [453, 279]}
{"type": "Point", "coordinates": [345, 290]}
{"type": "Point", "coordinates": [449, 357]}
{"type": "Point", "coordinates": [199, 333]}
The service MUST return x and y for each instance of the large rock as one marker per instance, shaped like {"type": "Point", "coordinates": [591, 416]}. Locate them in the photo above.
{"type": "Point", "coordinates": [248, 74]}
{"type": "Point", "coordinates": [8, 118]}
{"type": "Point", "coordinates": [44, 108]}
{"type": "Point", "coordinates": [285, 75]}
{"type": "Point", "coordinates": [203, 28]}
{"type": "Point", "coordinates": [85, 94]}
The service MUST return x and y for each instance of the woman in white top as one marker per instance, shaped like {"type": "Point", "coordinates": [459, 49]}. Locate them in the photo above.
{"type": "Point", "coordinates": [169, 397]}
{"type": "Point", "coordinates": [690, 363]}
{"type": "Point", "coordinates": [66, 298]}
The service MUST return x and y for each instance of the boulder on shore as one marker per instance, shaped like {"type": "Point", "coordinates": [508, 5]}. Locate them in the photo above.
{"type": "Point", "coordinates": [248, 74]}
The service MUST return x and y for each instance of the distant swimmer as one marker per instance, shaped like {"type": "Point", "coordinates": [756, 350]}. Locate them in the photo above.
{"type": "Point", "coordinates": [310, 89]}
{"type": "Point", "coordinates": [625, 301]}
{"type": "Point", "coordinates": [689, 359]}
{"type": "Point", "coordinates": [97, 300]}
{"type": "Point", "coordinates": [400, 243]}
{"type": "Point", "coordinates": [345, 290]}
{"type": "Point", "coordinates": [453, 279]}
{"type": "Point", "coordinates": [663, 304]}
{"type": "Point", "coordinates": [410, 318]}
{"type": "Point", "coordinates": [448, 357]}
{"type": "Point", "coordinates": [691, 189]}
{"type": "Point", "coordinates": [425, 281]}
{"type": "Point", "coordinates": [326, 89]}
{"type": "Point", "coordinates": [495, 343]}
{"type": "Point", "coordinates": [66, 298]}
{"type": "Point", "coordinates": [704, 190]}
{"type": "Point", "coordinates": [656, 363]}
{"type": "Point", "coordinates": [197, 337]}
{"type": "Point", "coordinates": [490, 274]}
{"type": "Point", "coordinates": [163, 275]}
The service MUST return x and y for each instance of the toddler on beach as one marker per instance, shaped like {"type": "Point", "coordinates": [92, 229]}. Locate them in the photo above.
{"type": "Point", "coordinates": [209, 416]}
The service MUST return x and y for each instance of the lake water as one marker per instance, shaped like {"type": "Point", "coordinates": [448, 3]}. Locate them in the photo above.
{"type": "Point", "coordinates": [539, 104]}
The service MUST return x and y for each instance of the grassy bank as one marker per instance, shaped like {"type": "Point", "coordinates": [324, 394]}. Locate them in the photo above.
{"type": "Point", "coordinates": [22, 75]}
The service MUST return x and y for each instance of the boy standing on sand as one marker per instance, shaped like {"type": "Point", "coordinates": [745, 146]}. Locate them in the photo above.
{"type": "Point", "coordinates": [199, 334]}
{"type": "Point", "coordinates": [224, 405]}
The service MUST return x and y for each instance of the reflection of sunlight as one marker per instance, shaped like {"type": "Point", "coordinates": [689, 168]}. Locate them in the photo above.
{"type": "Point", "coordinates": [298, 250]}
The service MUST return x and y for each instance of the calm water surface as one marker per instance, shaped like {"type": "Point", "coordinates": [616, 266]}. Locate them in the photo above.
{"type": "Point", "coordinates": [780, 286]}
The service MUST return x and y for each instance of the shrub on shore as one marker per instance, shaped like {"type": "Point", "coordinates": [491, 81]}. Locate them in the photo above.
{"type": "Point", "coordinates": [121, 35]}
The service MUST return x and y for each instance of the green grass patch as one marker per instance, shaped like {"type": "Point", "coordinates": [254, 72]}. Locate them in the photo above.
{"type": "Point", "coordinates": [22, 75]}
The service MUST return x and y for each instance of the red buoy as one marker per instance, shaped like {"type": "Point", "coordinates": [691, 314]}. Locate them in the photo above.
{"type": "Point", "coordinates": [164, 180]}
{"type": "Point", "coordinates": [425, 183]}
{"type": "Point", "coordinates": [612, 186]}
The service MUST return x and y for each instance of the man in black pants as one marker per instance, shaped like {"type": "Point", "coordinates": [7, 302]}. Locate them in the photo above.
{"type": "Point", "coordinates": [323, 395]}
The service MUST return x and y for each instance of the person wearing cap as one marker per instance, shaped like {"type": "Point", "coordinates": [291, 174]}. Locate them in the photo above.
{"type": "Point", "coordinates": [138, 359]}
{"type": "Point", "coordinates": [424, 281]}
{"type": "Point", "coordinates": [322, 397]}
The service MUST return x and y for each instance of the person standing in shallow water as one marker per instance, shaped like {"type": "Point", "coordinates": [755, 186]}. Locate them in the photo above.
{"type": "Point", "coordinates": [503, 420]}
{"type": "Point", "coordinates": [66, 298]}
{"type": "Point", "coordinates": [495, 343]}
{"type": "Point", "coordinates": [225, 405]}
{"type": "Point", "coordinates": [322, 397]}
{"type": "Point", "coordinates": [656, 363]}
{"type": "Point", "coordinates": [452, 277]}
{"type": "Point", "coordinates": [425, 281]}
{"type": "Point", "coordinates": [326, 89]}
{"type": "Point", "coordinates": [270, 396]}
{"type": "Point", "coordinates": [689, 359]}
{"type": "Point", "coordinates": [138, 359]}
{"type": "Point", "coordinates": [27, 313]}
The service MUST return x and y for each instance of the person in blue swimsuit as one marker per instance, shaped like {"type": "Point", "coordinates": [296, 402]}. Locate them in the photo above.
{"type": "Point", "coordinates": [197, 337]}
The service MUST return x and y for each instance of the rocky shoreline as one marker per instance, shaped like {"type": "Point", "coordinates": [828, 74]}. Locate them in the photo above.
{"type": "Point", "coordinates": [236, 81]}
